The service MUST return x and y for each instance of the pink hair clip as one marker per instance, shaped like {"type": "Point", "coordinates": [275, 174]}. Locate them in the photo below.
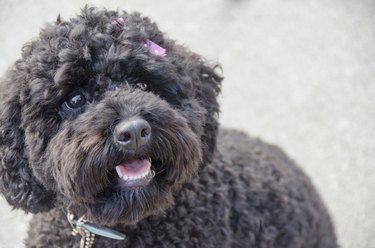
{"type": "Point", "coordinates": [155, 49]}
{"type": "Point", "coordinates": [119, 22]}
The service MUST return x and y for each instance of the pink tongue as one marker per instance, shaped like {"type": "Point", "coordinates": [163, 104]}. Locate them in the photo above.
{"type": "Point", "coordinates": [135, 168]}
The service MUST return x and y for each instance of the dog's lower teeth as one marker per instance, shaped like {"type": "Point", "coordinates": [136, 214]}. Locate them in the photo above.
{"type": "Point", "coordinates": [149, 174]}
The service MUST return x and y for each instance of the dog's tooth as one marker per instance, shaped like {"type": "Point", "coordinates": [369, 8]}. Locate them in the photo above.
{"type": "Point", "coordinates": [119, 172]}
{"type": "Point", "coordinates": [152, 173]}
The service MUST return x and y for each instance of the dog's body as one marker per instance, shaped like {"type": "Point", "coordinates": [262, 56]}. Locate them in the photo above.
{"type": "Point", "coordinates": [251, 195]}
{"type": "Point", "coordinates": [99, 120]}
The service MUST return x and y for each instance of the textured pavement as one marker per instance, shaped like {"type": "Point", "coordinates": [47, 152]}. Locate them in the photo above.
{"type": "Point", "coordinates": [298, 73]}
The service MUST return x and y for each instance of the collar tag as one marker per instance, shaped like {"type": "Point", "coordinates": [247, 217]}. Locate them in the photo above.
{"type": "Point", "coordinates": [103, 231]}
{"type": "Point", "coordinates": [82, 226]}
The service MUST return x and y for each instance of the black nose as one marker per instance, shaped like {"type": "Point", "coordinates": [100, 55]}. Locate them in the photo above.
{"type": "Point", "coordinates": [133, 134]}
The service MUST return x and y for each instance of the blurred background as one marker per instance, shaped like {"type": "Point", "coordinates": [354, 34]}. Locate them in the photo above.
{"type": "Point", "coordinates": [298, 73]}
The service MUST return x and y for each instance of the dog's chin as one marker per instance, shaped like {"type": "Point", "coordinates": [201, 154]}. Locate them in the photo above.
{"type": "Point", "coordinates": [136, 190]}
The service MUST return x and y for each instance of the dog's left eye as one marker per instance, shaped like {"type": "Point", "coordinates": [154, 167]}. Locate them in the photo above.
{"type": "Point", "coordinates": [75, 100]}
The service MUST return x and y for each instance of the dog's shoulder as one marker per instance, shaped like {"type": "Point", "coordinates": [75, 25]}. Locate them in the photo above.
{"type": "Point", "coordinates": [245, 152]}
{"type": "Point", "coordinates": [268, 194]}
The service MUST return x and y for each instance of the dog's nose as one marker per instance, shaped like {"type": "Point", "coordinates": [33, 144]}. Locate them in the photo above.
{"type": "Point", "coordinates": [133, 134]}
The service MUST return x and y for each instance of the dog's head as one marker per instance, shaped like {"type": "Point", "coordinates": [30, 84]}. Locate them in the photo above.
{"type": "Point", "coordinates": [94, 120]}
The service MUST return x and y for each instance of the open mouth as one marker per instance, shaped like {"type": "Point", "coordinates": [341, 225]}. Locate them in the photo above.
{"type": "Point", "coordinates": [135, 173]}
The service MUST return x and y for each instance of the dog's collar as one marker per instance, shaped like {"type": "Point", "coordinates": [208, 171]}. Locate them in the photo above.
{"type": "Point", "coordinates": [88, 230]}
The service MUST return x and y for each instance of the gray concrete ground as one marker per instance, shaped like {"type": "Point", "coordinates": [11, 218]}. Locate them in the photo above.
{"type": "Point", "coordinates": [298, 73]}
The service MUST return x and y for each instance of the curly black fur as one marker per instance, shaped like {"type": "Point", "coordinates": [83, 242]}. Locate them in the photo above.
{"type": "Point", "coordinates": [247, 194]}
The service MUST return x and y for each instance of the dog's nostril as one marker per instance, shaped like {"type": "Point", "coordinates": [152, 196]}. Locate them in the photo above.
{"type": "Point", "coordinates": [125, 137]}
{"type": "Point", "coordinates": [145, 132]}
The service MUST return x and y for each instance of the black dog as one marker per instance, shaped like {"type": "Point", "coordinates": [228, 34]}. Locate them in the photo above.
{"type": "Point", "coordinates": [105, 123]}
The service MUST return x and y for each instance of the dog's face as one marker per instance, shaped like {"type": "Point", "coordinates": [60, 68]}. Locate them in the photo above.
{"type": "Point", "coordinates": [93, 121]}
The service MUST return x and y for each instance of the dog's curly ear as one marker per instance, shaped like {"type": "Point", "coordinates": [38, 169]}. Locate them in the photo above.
{"type": "Point", "coordinates": [206, 79]}
{"type": "Point", "coordinates": [209, 89]}
{"type": "Point", "coordinates": [17, 183]}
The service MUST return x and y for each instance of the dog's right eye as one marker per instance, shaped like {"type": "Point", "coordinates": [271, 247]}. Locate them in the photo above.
{"type": "Point", "coordinates": [75, 100]}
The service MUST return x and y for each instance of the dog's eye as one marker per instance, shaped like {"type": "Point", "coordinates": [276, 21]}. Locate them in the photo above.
{"type": "Point", "coordinates": [75, 100]}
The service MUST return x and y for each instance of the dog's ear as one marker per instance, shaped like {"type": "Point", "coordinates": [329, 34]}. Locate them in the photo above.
{"type": "Point", "coordinates": [17, 183]}
{"type": "Point", "coordinates": [208, 90]}
{"type": "Point", "coordinates": [206, 80]}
